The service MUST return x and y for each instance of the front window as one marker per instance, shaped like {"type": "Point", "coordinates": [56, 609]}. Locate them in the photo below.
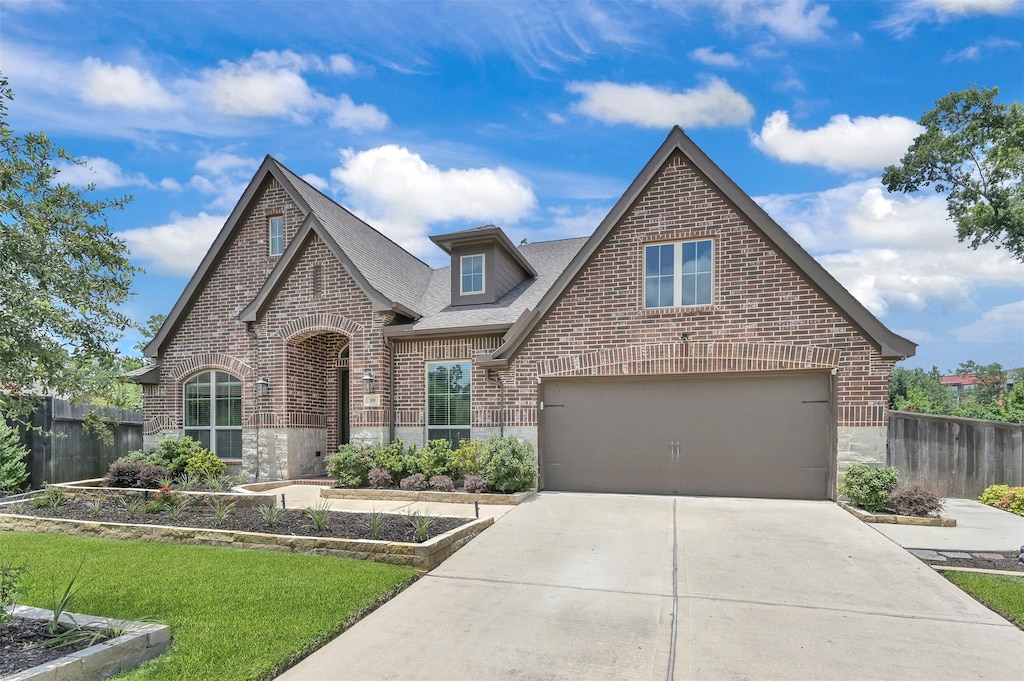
{"type": "Point", "coordinates": [448, 401]}
{"type": "Point", "coordinates": [472, 274]}
{"type": "Point", "coordinates": [213, 412]}
{"type": "Point", "coordinates": [677, 274]}
{"type": "Point", "coordinates": [276, 235]}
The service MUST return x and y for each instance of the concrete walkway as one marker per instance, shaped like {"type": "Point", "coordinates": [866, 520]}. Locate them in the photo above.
{"type": "Point", "coordinates": [978, 528]}
{"type": "Point", "coordinates": [578, 586]}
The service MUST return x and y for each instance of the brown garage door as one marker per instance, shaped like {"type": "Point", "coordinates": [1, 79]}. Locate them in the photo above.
{"type": "Point", "coordinates": [761, 435]}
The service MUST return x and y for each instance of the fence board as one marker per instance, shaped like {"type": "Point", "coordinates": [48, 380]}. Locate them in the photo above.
{"type": "Point", "coordinates": [956, 457]}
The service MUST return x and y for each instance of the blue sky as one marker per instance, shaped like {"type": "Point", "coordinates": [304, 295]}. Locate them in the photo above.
{"type": "Point", "coordinates": [428, 117]}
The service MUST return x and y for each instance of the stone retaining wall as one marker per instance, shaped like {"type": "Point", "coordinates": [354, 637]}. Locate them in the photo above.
{"type": "Point", "coordinates": [427, 496]}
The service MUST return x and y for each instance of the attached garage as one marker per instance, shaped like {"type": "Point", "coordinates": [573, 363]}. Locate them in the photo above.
{"type": "Point", "coordinates": [763, 435]}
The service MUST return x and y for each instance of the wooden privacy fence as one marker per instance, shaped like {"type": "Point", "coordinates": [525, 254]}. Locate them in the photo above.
{"type": "Point", "coordinates": [60, 448]}
{"type": "Point", "coordinates": [956, 457]}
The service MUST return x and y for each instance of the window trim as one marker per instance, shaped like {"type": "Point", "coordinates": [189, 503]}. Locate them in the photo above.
{"type": "Point", "coordinates": [462, 275]}
{"type": "Point", "coordinates": [677, 275]}
{"type": "Point", "coordinates": [213, 427]}
{"type": "Point", "coordinates": [271, 221]}
{"type": "Point", "coordinates": [428, 426]}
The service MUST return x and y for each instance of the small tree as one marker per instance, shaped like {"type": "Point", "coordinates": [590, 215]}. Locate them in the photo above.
{"type": "Point", "coordinates": [973, 149]}
{"type": "Point", "coordinates": [13, 472]}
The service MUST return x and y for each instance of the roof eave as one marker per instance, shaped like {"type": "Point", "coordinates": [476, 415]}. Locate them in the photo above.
{"type": "Point", "coordinates": [399, 331]}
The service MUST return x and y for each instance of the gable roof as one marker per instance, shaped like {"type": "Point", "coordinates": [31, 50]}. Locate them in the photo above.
{"type": "Point", "coordinates": [484, 234]}
{"type": "Point", "coordinates": [392, 277]}
{"type": "Point", "coordinates": [890, 344]}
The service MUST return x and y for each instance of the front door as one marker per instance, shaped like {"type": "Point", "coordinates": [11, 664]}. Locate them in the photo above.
{"type": "Point", "coordinates": [343, 429]}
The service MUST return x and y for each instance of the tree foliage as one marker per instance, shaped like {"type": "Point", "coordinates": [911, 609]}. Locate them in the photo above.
{"type": "Point", "coordinates": [923, 392]}
{"type": "Point", "coordinates": [63, 275]}
{"type": "Point", "coordinates": [972, 149]}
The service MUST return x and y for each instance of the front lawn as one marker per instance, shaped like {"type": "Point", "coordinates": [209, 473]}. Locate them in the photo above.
{"type": "Point", "coordinates": [1005, 595]}
{"type": "Point", "coordinates": [235, 615]}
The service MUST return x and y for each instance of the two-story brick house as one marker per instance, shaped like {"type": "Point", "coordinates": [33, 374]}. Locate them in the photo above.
{"type": "Point", "coordinates": [689, 345]}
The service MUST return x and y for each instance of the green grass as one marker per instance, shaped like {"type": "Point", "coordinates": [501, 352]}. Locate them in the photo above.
{"type": "Point", "coordinates": [1005, 595]}
{"type": "Point", "coordinates": [235, 614]}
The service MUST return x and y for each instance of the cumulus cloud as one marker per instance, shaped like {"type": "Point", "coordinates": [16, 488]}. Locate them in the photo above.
{"type": "Point", "coordinates": [341, 63]}
{"type": "Point", "coordinates": [1000, 324]}
{"type": "Point", "coordinates": [401, 194]}
{"type": "Point", "coordinates": [981, 49]}
{"type": "Point", "coordinates": [124, 86]}
{"type": "Point", "coordinates": [890, 249]}
{"type": "Point", "coordinates": [223, 176]}
{"type": "Point", "coordinates": [177, 247]}
{"type": "Point", "coordinates": [713, 104]}
{"type": "Point", "coordinates": [101, 172]}
{"type": "Point", "coordinates": [707, 55]}
{"type": "Point", "coordinates": [843, 144]}
{"type": "Point", "coordinates": [907, 15]}
{"type": "Point", "coordinates": [357, 117]}
{"type": "Point", "coordinates": [795, 20]}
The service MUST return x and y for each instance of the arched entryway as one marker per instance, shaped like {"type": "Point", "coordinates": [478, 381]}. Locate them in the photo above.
{"type": "Point", "coordinates": [319, 393]}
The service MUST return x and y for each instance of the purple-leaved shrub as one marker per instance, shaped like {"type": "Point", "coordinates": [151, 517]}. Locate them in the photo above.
{"type": "Point", "coordinates": [416, 482]}
{"type": "Point", "coordinates": [380, 478]}
{"type": "Point", "coordinates": [474, 484]}
{"type": "Point", "coordinates": [442, 483]}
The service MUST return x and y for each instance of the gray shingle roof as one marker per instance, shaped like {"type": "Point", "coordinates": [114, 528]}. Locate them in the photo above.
{"type": "Point", "coordinates": [389, 268]}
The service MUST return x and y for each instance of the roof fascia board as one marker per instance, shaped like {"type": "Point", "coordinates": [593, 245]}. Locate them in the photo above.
{"type": "Point", "coordinates": [269, 167]}
{"type": "Point", "coordinates": [147, 375]}
{"type": "Point", "coordinates": [407, 331]}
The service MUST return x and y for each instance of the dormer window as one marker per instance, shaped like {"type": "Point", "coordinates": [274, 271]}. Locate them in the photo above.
{"type": "Point", "coordinates": [472, 269]}
{"type": "Point", "coordinates": [276, 239]}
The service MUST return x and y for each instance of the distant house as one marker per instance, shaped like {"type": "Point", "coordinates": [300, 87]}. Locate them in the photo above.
{"type": "Point", "coordinates": [689, 345]}
{"type": "Point", "coordinates": [961, 384]}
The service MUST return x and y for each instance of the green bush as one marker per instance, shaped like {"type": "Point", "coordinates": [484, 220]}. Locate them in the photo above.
{"type": "Point", "coordinates": [350, 465]}
{"type": "Point", "coordinates": [869, 487]}
{"type": "Point", "coordinates": [993, 493]}
{"type": "Point", "coordinates": [466, 459]}
{"type": "Point", "coordinates": [173, 453]}
{"type": "Point", "coordinates": [1016, 504]}
{"type": "Point", "coordinates": [508, 465]}
{"type": "Point", "coordinates": [13, 472]}
{"type": "Point", "coordinates": [389, 456]}
{"type": "Point", "coordinates": [205, 465]}
{"type": "Point", "coordinates": [436, 459]}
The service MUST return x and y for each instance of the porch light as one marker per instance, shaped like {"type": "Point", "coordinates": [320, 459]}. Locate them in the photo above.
{"type": "Point", "coordinates": [262, 387]}
{"type": "Point", "coordinates": [369, 383]}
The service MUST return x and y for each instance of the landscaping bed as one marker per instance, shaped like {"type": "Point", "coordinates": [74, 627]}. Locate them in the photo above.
{"type": "Point", "coordinates": [973, 560]}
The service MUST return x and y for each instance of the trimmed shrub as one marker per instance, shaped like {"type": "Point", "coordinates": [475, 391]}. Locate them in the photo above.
{"type": "Point", "coordinates": [13, 471]}
{"type": "Point", "coordinates": [466, 459]}
{"type": "Point", "coordinates": [992, 494]}
{"type": "Point", "coordinates": [389, 456]}
{"type": "Point", "coordinates": [442, 483]}
{"type": "Point", "coordinates": [1016, 500]}
{"type": "Point", "coordinates": [350, 465]}
{"type": "Point", "coordinates": [173, 453]}
{"type": "Point", "coordinates": [1007, 498]}
{"type": "Point", "coordinates": [436, 458]}
{"type": "Point", "coordinates": [380, 478]}
{"type": "Point", "coordinates": [508, 464]}
{"type": "Point", "coordinates": [416, 482]}
{"type": "Point", "coordinates": [152, 477]}
{"type": "Point", "coordinates": [869, 487]}
{"type": "Point", "coordinates": [913, 498]}
{"type": "Point", "coordinates": [123, 474]}
{"type": "Point", "coordinates": [205, 465]}
{"type": "Point", "coordinates": [474, 484]}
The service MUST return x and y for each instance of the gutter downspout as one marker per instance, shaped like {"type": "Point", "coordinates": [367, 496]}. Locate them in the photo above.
{"type": "Point", "coordinates": [391, 388]}
{"type": "Point", "coordinates": [495, 379]}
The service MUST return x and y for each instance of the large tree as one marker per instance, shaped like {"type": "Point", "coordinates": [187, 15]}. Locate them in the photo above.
{"type": "Point", "coordinates": [972, 149]}
{"type": "Point", "coordinates": [63, 274]}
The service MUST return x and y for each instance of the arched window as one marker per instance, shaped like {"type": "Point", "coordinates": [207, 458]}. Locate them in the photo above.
{"type": "Point", "coordinates": [213, 412]}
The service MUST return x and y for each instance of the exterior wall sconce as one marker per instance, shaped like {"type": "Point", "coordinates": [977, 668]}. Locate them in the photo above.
{"type": "Point", "coordinates": [369, 383]}
{"type": "Point", "coordinates": [262, 387]}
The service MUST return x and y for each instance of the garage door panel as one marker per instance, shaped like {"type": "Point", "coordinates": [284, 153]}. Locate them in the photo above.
{"type": "Point", "coordinates": [764, 436]}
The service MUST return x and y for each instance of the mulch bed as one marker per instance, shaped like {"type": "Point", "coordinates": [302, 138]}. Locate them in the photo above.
{"type": "Point", "coordinates": [18, 639]}
{"type": "Point", "coordinates": [342, 524]}
{"type": "Point", "coordinates": [1007, 563]}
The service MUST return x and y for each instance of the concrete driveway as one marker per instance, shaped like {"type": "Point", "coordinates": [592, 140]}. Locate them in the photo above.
{"type": "Point", "coordinates": [580, 586]}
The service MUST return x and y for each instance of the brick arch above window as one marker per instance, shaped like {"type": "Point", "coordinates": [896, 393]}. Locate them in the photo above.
{"type": "Point", "coordinates": [689, 357]}
{"type": "Point", "coordinates": [311, 325]}
{"type": "Point", "coordinates": [213, 360]}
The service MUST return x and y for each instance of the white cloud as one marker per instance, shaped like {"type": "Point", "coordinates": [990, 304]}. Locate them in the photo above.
{"type": "Point", "coordinates": [891, 249]}
{"type": "Point", "coordinates": [980, 49]}
{"type": "Point", "coordinates": [170, 184]}
{"type": "Point", "coordinates": [556, 118]}
{"type": "Point", "coordinates": [707, 55]}
{"type": "Point", "coordinates": [1000, 324]}
{"type": "Point", "coordinates": [124, 86]}
{"type": "Point", "coordinates": [843, 144]}
{"type": "Point", "coordinates": [317, 181]}
{"type": "Point", "coordinates": [713, 104]}
{"type": "Point", "coordinates": [257, 88]}
{"type": "Point", "coordinates": [403, 195]}
{"type": "Point", "coordinates": [342, 63]}
{"type": "Point", "coordinates": [102, 172]}
{"type": "Point", "coordinates": [357, 117]}
{"type": "Point", "coordinates": [795, 20]}
{"type": "Point", "coordinates": [907, 15]}
{"type": "Point", "coordinates": [223, 176]}
{"type": "Point", "coordinates": [177, 247]}
{"type": "Point", "coordinates": [223, 162]}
